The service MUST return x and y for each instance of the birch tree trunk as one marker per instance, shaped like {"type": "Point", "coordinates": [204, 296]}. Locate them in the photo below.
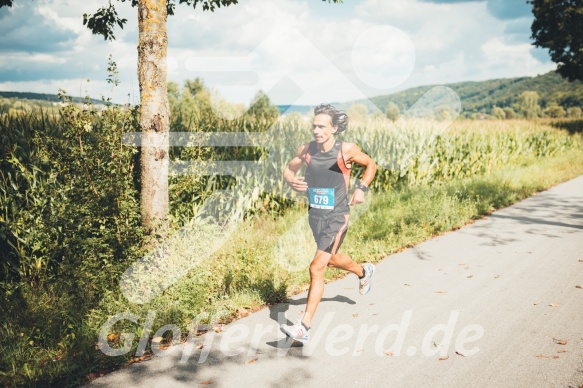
{"type": "Point", "coordinates": [154, 113]}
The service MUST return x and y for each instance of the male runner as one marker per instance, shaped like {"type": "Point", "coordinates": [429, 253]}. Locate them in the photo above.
{"type": "Point", "coordinates": [329, 163]}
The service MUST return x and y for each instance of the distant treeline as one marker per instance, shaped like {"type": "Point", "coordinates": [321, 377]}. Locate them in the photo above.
{"type": "Point", "coordinates": [42, 97]}
{"type": "Point", "coordinates": [547, 95]}
{"type": "Point", "coordinates": [481, 99]}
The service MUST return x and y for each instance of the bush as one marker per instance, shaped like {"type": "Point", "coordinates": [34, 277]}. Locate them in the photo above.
{"type": "Point", "coordinates": [555, 111]}
{"type": "Point", "coordinates": [499, 113]}
{"type": "Point", "coordinates": [392, 112]}
{"type": "Point", "coordinates": [574, 112]}
{"type": "Point", "coordinates": [509, 113]}
{"type": "Point", "coordinates": [70, 223]}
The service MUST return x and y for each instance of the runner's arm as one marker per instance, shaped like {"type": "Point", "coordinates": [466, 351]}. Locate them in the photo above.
{"type": "Point", "coordinates": [289, 174]}
{"type": "Point", "coordinates": [353, 154]}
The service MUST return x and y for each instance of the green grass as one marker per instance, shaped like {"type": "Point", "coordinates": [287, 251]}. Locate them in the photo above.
{"type": "Point", "coordinates": [408, 216]}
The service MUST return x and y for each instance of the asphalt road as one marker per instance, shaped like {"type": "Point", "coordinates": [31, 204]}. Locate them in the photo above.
{"type": "Point", "coordinates": [494, 304]}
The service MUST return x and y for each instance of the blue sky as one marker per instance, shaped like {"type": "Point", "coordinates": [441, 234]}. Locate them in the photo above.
{"type": "Point", "coordinates": [328, 52]}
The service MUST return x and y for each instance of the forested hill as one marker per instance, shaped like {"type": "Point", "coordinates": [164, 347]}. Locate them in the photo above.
{"type": "Point", "coordinates": [41, 97]}
{"type": "Point", "coordinates": [482, 96]}
{"type": "Point", "coordinates": [476, 97]}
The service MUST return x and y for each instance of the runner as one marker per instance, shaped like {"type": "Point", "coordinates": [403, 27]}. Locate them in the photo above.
{"type": "Point", "coordinates": [329, 163]}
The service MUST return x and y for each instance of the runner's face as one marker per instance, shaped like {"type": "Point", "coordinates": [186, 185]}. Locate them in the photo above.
{"type": "Point", "coordinates": [322, 128]}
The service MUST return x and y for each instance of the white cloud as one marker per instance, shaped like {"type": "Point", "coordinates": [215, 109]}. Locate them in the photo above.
{"type": "Point", "coordinates": [383, 57]}
{"type": "Point", "coordinates": [511, 56]}
{"type": "Point", "coordinates": [452, 42]}
{"type": "Point", "coordinates": [458, 41]}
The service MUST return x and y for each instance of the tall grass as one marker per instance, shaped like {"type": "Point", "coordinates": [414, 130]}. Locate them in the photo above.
{"type": "Point", "coordinates": [415, 152]}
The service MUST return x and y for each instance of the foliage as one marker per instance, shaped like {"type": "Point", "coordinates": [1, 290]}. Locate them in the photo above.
{"type": "Point", "coordinates": [499, 113]}
{"type": "Point", "coordinates": [69, 222]}
{"type": "Point", "coordinates": [574, 112]}
{"type": "Point", "coordinates": [392, 111]}
{"type": "Point", "coordinates": [509, 113]}
{"type": "Point", "coordinates": [261, 108]}
{"type": "Point", "coordinates": [481, 97]}
{"type": "Point", "coordinates": [443, 113]}
{"type": "Point", "coordinates": [413, 153]}
{"type": "Point", "coordinates": [357, 113]}
{"type": "Point", "coordinates": [104, 20]}
{"type": "Point", "coordinates": [154, 103]}
{"type": "Point", "coordinates": [47, 162]}
{"type": "Point", "coordinates": [555, 111]}
{"type": "Point", "coordinates": [558, 26]}
{"type": "Point", "coordinates": [195, 86]}
{"type": "Point", "coordinates": [528, 104]}
{"type": "Point", "coordinates": [41, 99]}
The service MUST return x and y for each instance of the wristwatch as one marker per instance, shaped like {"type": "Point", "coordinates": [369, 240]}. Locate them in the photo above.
{"type": "Point", "coordinates": [362, 187]}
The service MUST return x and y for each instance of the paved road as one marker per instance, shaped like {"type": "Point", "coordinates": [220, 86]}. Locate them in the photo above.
{"type": "Point", "coordinates": [497, 299]}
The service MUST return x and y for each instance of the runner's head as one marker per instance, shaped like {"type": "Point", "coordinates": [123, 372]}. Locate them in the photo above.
{"type": "Point", "coordinates": [338, 118]}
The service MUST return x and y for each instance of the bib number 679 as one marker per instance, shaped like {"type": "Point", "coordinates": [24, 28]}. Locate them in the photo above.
{"type": "Point", "coordinates": [320, 199]}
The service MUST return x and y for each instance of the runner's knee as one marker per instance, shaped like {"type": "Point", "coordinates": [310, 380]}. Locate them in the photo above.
{"type": "Point", "coordinates": [317, 268]}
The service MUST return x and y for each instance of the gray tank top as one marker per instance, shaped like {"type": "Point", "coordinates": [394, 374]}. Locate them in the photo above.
{"type": "Point", "coordinates": [327, 177]}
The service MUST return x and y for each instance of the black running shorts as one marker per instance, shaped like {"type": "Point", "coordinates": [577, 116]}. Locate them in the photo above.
{"type": "Point", "coordinates": [329, 232]}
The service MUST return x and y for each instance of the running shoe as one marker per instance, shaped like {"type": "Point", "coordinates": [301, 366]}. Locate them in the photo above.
{"type": "Point", "coordinates": [297, 332]}
{"type": "Point", "coordinates": [365, 284]}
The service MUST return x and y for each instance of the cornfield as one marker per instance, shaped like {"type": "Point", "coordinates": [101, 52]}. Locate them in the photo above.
{"type": "Point", "coordinates": [413, 152]}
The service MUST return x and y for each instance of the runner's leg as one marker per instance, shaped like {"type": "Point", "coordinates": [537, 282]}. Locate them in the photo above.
{"type": "Point", "coordinates": [317, 271]}
{"type": "Point", "coordinates": [344, 262]}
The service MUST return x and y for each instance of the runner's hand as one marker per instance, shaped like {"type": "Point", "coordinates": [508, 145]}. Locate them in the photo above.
{"type": "Point", "coordinates": [357, 197]}
{"type": "Point", "coordinates": [297, 183]}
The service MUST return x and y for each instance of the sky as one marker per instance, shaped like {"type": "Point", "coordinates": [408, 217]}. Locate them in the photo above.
{"type": "Point", "coordinates": [301, 52]}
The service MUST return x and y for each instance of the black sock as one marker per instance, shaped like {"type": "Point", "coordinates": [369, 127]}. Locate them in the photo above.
{"type": "Point", "coordinates": [363, 273]}
{"type": "Point", "coordinates": [304, 325]}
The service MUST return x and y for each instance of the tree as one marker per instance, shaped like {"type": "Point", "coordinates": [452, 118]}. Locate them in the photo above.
{"type": "Point", "coordinates": [152, 77]}
{"type": "Point", "coordinates": [528, 104]}
{"type": "Point", "coordinates": [498, 113]}
{"type": "Point", "coordinates": [194, 86]}
{"type": "Point", "coordinates": [392, 111]}
{"type": "Point", "coordinates": [574, 112]}
{"type": "Point", "coordinates": [261, 107]}
{"type": "Point", "coordinates": [198, 96]}
{"type": "Point", "coordinates": [188, 111]}
{"type": "Point", "coordinates": [442, 113]}
{"type": "Point", "coordinates": [509, 112]}
{"type": "Point", "coordinates": [555, 111]}
{"type": "Point", "coordinates": [558, 26]}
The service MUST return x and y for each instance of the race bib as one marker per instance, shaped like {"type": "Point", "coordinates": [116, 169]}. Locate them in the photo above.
{"type": "Point", "coordinates": [321, 198]}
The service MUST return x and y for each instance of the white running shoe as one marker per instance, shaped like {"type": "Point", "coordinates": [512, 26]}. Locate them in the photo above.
{"type": "Point", "coordinates": [297, 332]}
{"type": "Point", "coordinates": [365, 284]}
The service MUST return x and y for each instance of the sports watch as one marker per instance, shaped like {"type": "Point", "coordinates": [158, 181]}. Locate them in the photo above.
{"type": "Point", "coordinates": [362, 187]}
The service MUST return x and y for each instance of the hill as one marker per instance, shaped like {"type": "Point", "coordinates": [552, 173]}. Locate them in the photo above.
{"type": "Point", "coordinates": [482, 96]}
{"type": "Point", "coordinates": [41, 97]}
{"type": "Point", "coordinates": [476, 97]}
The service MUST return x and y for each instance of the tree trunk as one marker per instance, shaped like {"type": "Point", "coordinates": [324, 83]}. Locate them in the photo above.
{"type": "Point", "coordinates": [154, 112]}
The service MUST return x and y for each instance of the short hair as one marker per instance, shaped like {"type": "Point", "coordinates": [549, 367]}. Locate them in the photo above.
{"type": "Point", "coordinates": [339, 118]}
